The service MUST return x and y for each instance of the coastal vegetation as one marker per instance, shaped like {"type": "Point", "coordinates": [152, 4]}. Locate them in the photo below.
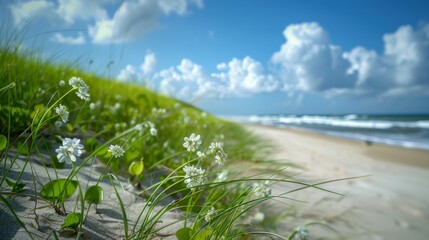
{"type": "Point", "coordinates": [212, 173]}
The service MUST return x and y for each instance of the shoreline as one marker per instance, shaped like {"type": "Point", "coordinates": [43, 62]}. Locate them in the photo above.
{"type": "Point", "coordinates": [383, 195]}
{"type": "Point", "coordinates": [380, 151]}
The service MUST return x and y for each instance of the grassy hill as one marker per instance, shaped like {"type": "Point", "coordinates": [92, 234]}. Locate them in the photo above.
{"type": "Point", "coordinates": [212, 169]}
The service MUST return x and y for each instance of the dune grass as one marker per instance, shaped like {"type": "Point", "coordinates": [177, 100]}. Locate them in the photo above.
{"type": "Point", "coordinates": [135, 132]}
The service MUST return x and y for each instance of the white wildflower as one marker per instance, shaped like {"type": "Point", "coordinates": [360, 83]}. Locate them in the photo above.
{"type": "Point", "coordinates": [92, 106]}
{"type": "Point", "coordinates": [62, 83]}
{"type": "Point", "coordinates": [61, 110]}
{"type": "Point", "coordinates": [194, 176]}
{"type": "Point", "coordinates": [192, 142]}
{"type": "Point", "coordinates": [259, 217]}
{"type": "Point", "coordinates": [139, 127]}
{"type": "Point", "coordinates": [210, 214]}
{"type": "Point", "coordinates": [261, 189]}
{"type": "Point", "coordinates": [70, 149]}
{"type": "Point", "coordinates": [158, 111]}
{"type": "Point", "coordinates": [153, 131]}
{"type": "Point", "coordinates": [216, 149]}
{"type": "Point", "coordinates": [200, 154]}
{"type": "Point", "coordinates": [116, 151]}
{"type": "Point", "coordinates": [115, 108]}
{"type": "Point", "coordinates": [82, 88]}
{"type": "Point", "coordinates": [222, 176]}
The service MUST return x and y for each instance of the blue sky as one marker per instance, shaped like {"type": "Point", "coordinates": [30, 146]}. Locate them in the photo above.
{"type": "Point", "coordinates": [245, 57]}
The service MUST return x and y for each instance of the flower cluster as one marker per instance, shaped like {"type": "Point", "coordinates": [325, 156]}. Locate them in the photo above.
{"type": "Point", "coordinates": [210, 214]}
{"type": "Point", "coordinates": [82, 88]}
{"type": "Point", "coordinates": [141, 127]}
{"type": "Point", "coordinates": [61, 110]}
{"type": "Point", "coordinates": [216, 149]}
{"type": "Point", "coordinates": [194, 176]}
{"type": "Point", "coordinates": [116, 151]}
{"type": "Point", "coordinates": [159, 111]}
{"type": "Point", "coordinates": [192, 142]}
{"type": "Point", "coordinates": [261, 189]}
{"type": "Point", "coordinates": [70, 149]}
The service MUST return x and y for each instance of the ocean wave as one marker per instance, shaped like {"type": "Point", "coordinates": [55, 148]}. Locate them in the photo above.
{"type": "Point", "coordinates": [348, 121]}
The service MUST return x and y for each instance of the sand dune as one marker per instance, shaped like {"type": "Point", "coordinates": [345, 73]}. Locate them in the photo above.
{"type": "Point", "coordinates": [391, 203]}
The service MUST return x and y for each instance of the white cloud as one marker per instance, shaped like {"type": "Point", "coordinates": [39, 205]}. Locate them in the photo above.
{"type": "Point", "coordinates": [132, 19]}
{"type": "Point", "coordinates": [25, 11]}
{"type": "Point", "coordinates": [149, 64]}
{"type": "Point", "coordinates": [309, 61]}
{"type": "Point", "coordinates": [129, 74]}
{"type": "Point", "coordinates": [143, 75]}
{"type": "Point", "coordinates": [244, 77]}
{"type": "Point", "coordinates": [70, 11]}
{"type": "Point", "coordinates": [237, 78]}
{"type": "Point", "coordinates": [135, 19]}
{"type": "Point", "coordinates": [186, 81]}
{"type": "Point", "coordinates": [59, 38]}
{"type": "Point", "coordinates": [402, 68]}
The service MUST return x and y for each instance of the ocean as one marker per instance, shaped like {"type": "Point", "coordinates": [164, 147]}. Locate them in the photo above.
{"type": "Point", "coordinates": [411, 131]}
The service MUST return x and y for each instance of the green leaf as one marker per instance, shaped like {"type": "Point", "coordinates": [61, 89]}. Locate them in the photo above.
{"type": "Point", "coordinates": [16, 186]}
{"type": "Point", "coordinates": [183, 234]}
{"type": "Point", "coordinates": [3, 142]}
{"type": "Point", "coordinates": [131, 155]}
{"type": "Point", "coordinates": [38, 112]}
{"type": "Point", "coordinates": [72, 220]}
{"type": "Point", "coordinates": [203, 235]}
{"type": "Point", "coordinates": [136, 168]}
{"type": "Point", "coordinates": [104, 153]}
{"type": "Point", "coordinates": [59, 190]}
{"type": "Point", "coordinates": [94, 194]}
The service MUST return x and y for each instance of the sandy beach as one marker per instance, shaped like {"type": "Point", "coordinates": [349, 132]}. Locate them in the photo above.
{"type": "Point", "coordinates": [390, 202]}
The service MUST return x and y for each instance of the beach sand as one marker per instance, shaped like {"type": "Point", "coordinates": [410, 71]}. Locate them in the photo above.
{"type": "Point", "coordinates": [390, 202]}
{"type": "Point", "coordinates": [107, 223]}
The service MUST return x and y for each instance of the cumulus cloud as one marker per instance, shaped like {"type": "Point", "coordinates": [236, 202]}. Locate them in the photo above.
{"type": "Point", "coordinates": [149, 64]}
{"type": "Point", "coordinates": [135, 19]}
{"type": "Point", "coordinates": [402, 68]}
{"type": "Point", "coordinates": [309, 61]}
{"type": "Point", "coordinates": [186, 81]}
{"type": "Point", "coordinates": [64, 10]}
{"type": "Point", "coordinates": [132, 19]}
{"type": "Point", "coordinates": [238, 77]}
{"type": "Point", "coordinates": [59, 38]}
{"type": "Point", "coordinates": [129, 74]}
{"type": "Point", "coordinates": [142, 75]}
{"type": "Point", "coordinates": [71, 11]}
{"type": "Point", "coordinates": [245, 76]}
{"type": "Point", "coordinates": [25, 11]}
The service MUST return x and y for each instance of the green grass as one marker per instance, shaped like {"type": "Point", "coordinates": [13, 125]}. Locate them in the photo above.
{"type": "Point", "coordinates": [31, 89]}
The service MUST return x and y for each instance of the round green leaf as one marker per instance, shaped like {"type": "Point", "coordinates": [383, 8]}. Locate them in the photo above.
{"type": "Point", "coordinates": [94, 194]}
{"type": "Point", "coordinates": [72, 220]}
{"type": "Point", "coordinates": [184, 233]}
{"type": "Point", "coordinates": [3, 142]}
{"type": "Point", "coordinates": [136, 168]}
{"type": "Point", "coordinates": [58, 190]}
